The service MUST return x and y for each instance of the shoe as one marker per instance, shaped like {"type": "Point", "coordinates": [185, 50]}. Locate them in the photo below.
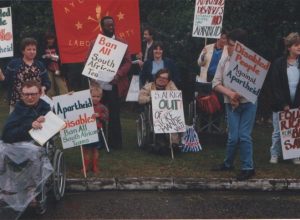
{"type": "Point", "coordinates": [245, 174]}
{"type": "Point", "coordinates": [222, 167]}
{"type": "Point", "coordinates": [296, 161]}
{"type": "Point", "coordinates": [274, 159]}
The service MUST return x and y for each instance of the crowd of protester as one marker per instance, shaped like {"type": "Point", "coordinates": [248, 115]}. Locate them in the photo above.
{"type": "Point", "coordinates": [159, 72]}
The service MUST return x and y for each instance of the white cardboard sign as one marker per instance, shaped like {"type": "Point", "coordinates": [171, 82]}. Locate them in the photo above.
{"type": "Point", "coordinates": [6, 34]}
{"type": "Point", "coordinates": [134, 89]}
{"type": "Point", "coordinates": [208, 18]}
{"type": "Point", "coordinates": [76, 110]}
{"type": "Point", "coordinates": [289, 124]}
{"type": "Point", "coordinates": [167, 109]}
{"type": "Point", "coordinates": [247, 72]}
{"type": "Point", "coordinates": [105, 59]}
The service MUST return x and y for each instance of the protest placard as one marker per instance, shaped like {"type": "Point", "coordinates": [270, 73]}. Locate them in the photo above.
{"type": "Point", "coordinates": [6, 34]}
{"type": "Point", "coordinates": [246, 73]}
{"type": "Point", "coordinates": [77, 111]}
{"type": "Point", "coordinates": [289, 124]}
{"type": "Point", "coordinates": [52, 125]}
{"type": "Point", "coordinates": [134, 89]}
{"type": "Point", "coordinates": [208, 18]}
{"type": "Point", "coordinates": [167, 111]}
{"type": "Point", "coordinates": [104, 59]}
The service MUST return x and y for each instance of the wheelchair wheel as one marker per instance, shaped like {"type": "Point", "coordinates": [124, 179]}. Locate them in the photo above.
{"type": "Point", "coordinates": [141, 131]}
{"type": "Point", "coordinates": [59, 175]}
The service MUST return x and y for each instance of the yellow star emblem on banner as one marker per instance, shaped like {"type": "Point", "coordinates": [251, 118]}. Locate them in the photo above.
{"type": "Point", "coordinates": [78, 25]}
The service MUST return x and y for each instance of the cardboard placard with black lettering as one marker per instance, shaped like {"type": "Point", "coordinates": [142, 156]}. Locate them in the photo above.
{"type": "Point", "coordinates": [246, 73]}
{"type": "Point", "coordinates": [208, 18]}
{"type": "Point", "coordinates": [167, 111]}
{"type": "Point", "coordinates": [77, 111]}
{"type": "Point", "coordinates": [6, 34]}
{"type": "Point", "coordinates": [289, 124]}
{"type": "Point", "coordinates": [104, 59]}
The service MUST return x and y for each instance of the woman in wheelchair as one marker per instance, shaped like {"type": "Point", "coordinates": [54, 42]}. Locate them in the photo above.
{"type": "Point", "coordinates": [23, 168]}
{"type": "Point", "coordinates": [162, 81]}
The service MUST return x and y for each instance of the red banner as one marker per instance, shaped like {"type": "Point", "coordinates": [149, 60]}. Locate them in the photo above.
{"type": "Point", "coordinates": [77, 24]}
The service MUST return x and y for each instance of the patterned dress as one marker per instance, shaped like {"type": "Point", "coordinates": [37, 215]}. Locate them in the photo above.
{"type": "Point", "coordinates": [25, 73]}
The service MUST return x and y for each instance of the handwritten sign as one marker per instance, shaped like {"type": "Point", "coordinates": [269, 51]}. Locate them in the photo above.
{"type": "Point", "coordinates": [76, 110]}
{"type": "Point", "coordinates": [105, 59]}
{"type": "Point", "coordinates": [247, 72]}
{"type": "Point", "coordinates": [6, 34]}
{"type": "Point", "coordinates": [208, 18]}
{"type": "Point", "coordinates": [134, 89]}
{"type": "Point", "coordinates": [167, 109]}
{"type": "Point", "coordinates": [289, 124]}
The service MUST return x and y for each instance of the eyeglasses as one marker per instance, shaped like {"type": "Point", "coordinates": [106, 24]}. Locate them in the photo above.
{"type": "Point", "coordinates": [164, 78]}
{"type": "Point", "coordinates": [30, 94]}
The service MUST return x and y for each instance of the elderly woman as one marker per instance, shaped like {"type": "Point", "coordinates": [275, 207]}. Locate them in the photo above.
{"type": "Point", "coordinates": [162, 82]}
{"type": "Point", "coordinates": [158, 62]}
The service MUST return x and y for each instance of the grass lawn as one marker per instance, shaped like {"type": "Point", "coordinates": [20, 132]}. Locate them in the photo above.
{"type": "Point", "coordinates": [134, 162]}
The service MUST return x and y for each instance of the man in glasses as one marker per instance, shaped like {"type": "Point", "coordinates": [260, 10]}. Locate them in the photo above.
{"type": "Point", "coordinates": [28, 113]}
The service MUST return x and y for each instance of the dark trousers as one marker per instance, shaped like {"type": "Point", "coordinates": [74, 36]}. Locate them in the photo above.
{"type": "Point", "coordinates": [75, 80]}
{"type": "Point", "coordinates": [112, 101]}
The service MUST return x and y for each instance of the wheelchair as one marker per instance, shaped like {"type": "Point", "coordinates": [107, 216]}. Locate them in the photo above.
{"type": "Point", "coordinates": [203, 121]}
{"type": "Point", "coordinates": [15, 202]}
{"type": "Point", "coordinates": [147, 139]}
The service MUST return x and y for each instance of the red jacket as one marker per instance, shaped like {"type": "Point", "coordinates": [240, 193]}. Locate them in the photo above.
{"type": "Point", "coordinates": [123, 82]}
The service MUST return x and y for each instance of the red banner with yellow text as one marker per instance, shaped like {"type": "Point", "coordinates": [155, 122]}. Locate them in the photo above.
{"type": "Point", "coordinates": [77, 24]}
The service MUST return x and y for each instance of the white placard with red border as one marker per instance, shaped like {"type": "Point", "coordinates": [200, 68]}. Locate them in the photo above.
{"type": "Point", "coordinates": [77, 111]}
{"type": "Point", "coordinates": [289, 124]}
{"type": "Point", "coordinates": [167, 111]}
{"type": "Point", "coordinates": [246, 72]}
{"type": "Point", "coordinates": [104, 59]}
{"type": "Point", "coordinates": [6, 34]}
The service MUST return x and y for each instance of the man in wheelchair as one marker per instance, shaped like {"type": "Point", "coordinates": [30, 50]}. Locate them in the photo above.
{"type": "Point", "coordinates": [23, 165]}
{"type": "Point", "coordinates": [162, 81]}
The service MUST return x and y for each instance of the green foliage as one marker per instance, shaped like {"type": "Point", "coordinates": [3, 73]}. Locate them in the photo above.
{"type": "Point", "coordinates": [266, 21]}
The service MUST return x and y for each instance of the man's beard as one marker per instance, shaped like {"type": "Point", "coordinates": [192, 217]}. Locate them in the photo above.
{"type": "Point", "coordinates": [108, 33]}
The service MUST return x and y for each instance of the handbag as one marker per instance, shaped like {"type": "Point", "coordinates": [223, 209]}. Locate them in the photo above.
{"type": "Point", "coordinates": [190, 140]}
{"type": "Point", "coordinates": [209, 103]}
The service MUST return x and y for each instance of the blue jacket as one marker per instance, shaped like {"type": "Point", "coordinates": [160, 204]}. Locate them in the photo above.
{"type": "Point", "coordinates": [11, 72]}
{"type": "Point", "coordinates": [19, 122]}
{"type": "Point", "coordinates": [146, 74]}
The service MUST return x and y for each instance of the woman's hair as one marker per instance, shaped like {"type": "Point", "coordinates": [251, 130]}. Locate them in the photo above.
{"type": "Point", "coordinates": [27, 41]}
{"type": "Point", "coordinates": [157, 44]}
{"type": "Point", "coordinates": [291, 39]}
{"type": "Point", "coordinates": [31, 83]}
{"type": "Point", "coordinates": [162, 71]}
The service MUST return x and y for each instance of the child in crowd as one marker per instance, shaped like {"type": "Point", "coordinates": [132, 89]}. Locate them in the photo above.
{"type": "Point", "coordinates": [90, 151]}
{"type": "Point", "coordinates": [52, 63]}
{"type": "Point", "coordinates": [285, 78]}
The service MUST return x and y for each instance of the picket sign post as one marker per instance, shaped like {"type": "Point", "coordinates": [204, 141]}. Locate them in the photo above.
{"type": "Point", "coordinates": [82, 159]}
{"type": "Point", "coordinates": [172, 153]}
{"type": "Point", "coordinates": [106, 146]}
